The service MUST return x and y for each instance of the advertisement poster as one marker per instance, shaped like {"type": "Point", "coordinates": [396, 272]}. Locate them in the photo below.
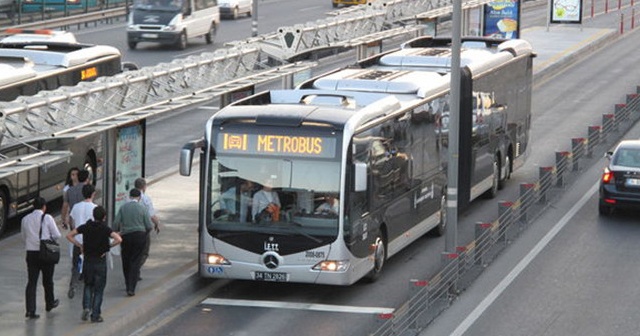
{"type": "Point", "coordinates": [474, 26]}
{"type": "Point", "coordinates": [129, 161]}
{"type": "Point", "coordinates": [502, 19]}
{"type": "Point", "coordinates": [566, 11]}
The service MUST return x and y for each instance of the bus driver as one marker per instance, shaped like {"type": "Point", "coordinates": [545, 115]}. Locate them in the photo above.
{"type": "Point", "coordinates": [266, 205]}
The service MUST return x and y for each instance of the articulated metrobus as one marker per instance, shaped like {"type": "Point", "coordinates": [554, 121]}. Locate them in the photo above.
{"type": "Point", "coordinates": [323, 183]}
{"type": "Point", "coordinates": [29, 67]}
{"type": "Point", "coordinates": [26, 68]}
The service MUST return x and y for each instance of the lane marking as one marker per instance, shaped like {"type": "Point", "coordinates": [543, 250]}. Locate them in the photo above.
{"type": "Point", "coordinates": [298, 306]}
{"type": "Point", "coordinates": [209, 108]}
{"type": "Point", "coordinates": [487, 301]}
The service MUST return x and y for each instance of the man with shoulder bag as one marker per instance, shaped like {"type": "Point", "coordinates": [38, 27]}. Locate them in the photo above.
{"type": "Point", "coordinates": [36, 227]}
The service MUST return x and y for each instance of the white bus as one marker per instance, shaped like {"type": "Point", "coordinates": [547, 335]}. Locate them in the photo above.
{"type": "Point", "coordinates": [372, 141]}
{"type": "Point", "coordinates": [29, 65]}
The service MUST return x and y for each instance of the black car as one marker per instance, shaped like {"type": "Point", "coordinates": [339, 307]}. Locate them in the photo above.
{"type": "Point", "coordinates": [620, 182]}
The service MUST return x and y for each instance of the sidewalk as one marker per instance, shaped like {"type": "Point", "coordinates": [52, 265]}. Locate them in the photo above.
{"type": "Point", "coordinates": [169, 276]}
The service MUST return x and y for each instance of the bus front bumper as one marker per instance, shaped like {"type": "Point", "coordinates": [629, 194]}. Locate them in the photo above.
{"type": "Point", "coordinates": [297, 274]}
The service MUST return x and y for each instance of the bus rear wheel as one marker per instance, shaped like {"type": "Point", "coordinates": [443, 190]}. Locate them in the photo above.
{"type": "Point", "coordinates": [495, 181]}
{"type": "Point", "coordinates": [507, 173]}
{"type": "Point", "coordinates": [442, 225]}
{"type": "Point", "coordinates": [3, 212]}
{"type": "Point", "coordinates": [379, 258]}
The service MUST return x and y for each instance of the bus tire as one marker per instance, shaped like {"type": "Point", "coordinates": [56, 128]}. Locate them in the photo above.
{"type": "Point", "coordinates": [3, 212]}
{"type": "Point", "coordinates": [379, 258]}
{"type": "Point", "coordinates": [440, 229]}
{"type": "Point", "coordinates": [495, 181]}
{"type": "Point", "coordinates": [210, 36]}
{"type": "Point", "coordinates": [507, 173]}
{"type": "Point", "coordinates": [181, 44]}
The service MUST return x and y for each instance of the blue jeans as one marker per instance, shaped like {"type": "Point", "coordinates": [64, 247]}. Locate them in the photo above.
{"type": "Point", "coordinates": [95, 280]}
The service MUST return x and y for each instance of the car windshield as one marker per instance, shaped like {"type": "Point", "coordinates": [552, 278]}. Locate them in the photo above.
{"type": "Point", "coordinates": [159, 5]}
{"type": "Point", "coordinates": [628, 157]}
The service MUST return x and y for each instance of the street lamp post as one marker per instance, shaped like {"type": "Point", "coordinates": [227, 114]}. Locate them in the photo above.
{"type": "Point", "coordinates": [451, 235]}
{"type": "Point", "coordinates": [254, 16]}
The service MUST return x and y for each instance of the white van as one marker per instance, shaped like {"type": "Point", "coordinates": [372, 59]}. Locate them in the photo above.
{"type": "Point", "coordinates": [172, 22]}
{"type": "Point", "coordinates": [234, 8]}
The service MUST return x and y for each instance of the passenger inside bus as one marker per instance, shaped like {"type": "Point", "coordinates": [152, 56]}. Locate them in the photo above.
{"type": "Point", "coordinates": [266, 205]}
{"type": "Point", "coordinates": [330, 206]}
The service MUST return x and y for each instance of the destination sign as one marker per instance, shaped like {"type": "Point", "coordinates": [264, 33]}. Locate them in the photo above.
{"type": "Point", "coordinates": [89, 73]}
{"type": "Point", "coordinates": [277, 145]}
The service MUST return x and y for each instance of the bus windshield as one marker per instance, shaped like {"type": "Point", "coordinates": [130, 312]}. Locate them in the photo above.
{"type": "Point", "coordinates": [288, 196]}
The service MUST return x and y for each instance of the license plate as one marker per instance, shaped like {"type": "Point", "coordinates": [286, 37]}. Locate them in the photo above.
{"type": "Point", "coordinates": [270, 276]}
{"type": "Point", "coordinates": [633, 182]}
{"type": "Point", "coordinates": [153, 36]}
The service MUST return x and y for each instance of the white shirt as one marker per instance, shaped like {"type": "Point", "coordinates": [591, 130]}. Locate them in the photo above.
{"type": "Point", "coordinates": [146, 201]}
{"type": "Point", "coordinates": [81, 213]}
{"type": "Point", "coordinates": [261, 199]}
{"type": "Point", "coordinates": [30, 229]}
{"type": "Point", "coordinates": [326, 207]}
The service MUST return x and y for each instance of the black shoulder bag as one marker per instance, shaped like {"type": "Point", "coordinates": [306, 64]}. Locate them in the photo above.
{"type": "Point", "coordinates": [49, 248]}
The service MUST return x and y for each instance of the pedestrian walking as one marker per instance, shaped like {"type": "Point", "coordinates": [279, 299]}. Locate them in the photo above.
{"type": "Point", "coordinates": [132, 222]}
{"type": "Point", "coordinates": [80, 214]}
{"type": "Point", "coordinates": [141, 184]}
{"type": "Point", "coordinates": [37, 226]}
{"type": "Point", "coordinates": [95, 245]}
{"type": "Point", "coordinates": [70, 199]}
{"type": "Point", "coordinates": [70, 181]}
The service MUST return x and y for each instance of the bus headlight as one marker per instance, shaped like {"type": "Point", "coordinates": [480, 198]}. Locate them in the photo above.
{"type": "Point", "coordinates": [332, 266]}
{"type": "Point", "coordinates": [216, 259]}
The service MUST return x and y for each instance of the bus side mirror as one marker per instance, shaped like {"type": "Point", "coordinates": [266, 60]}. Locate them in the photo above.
{"type": "Point", "coordinates": [360, 173]}
{"type": "Point", "coordinates": [186, 156]}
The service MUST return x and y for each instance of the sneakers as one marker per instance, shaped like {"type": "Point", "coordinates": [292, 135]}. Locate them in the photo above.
{"type": "Point", "coordinates": [31, 316]}
{"type": "Point", "coordinates": [71, 293]}
{"type": "Point", "coordinates": [85, 314]}
{"type": "Point", "coordinates": [97, 319]}
{"type": "Point", "coordinates": [53, 304]}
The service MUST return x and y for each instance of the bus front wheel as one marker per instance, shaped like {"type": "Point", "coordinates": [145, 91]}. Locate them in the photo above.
{"type": "Point", "coordinates": [379, 258]}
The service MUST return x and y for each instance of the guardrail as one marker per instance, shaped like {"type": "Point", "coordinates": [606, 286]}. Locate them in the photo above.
{"type": "Point", "coordinates": [431, 297]}
{"type": "Point", "coordinates": [78, 19]}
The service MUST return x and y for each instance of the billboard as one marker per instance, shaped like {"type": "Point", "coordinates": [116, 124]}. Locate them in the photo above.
{"type": "Point", "coordinates": [129, 160]}
{"type": "Point", "coordinates": [502, 19]}
{"type": "Point", "coordinates": [566, 11]}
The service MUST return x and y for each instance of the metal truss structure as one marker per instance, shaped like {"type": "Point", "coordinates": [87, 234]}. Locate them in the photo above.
{"type": "Point", "coordinates": [183, 83]}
